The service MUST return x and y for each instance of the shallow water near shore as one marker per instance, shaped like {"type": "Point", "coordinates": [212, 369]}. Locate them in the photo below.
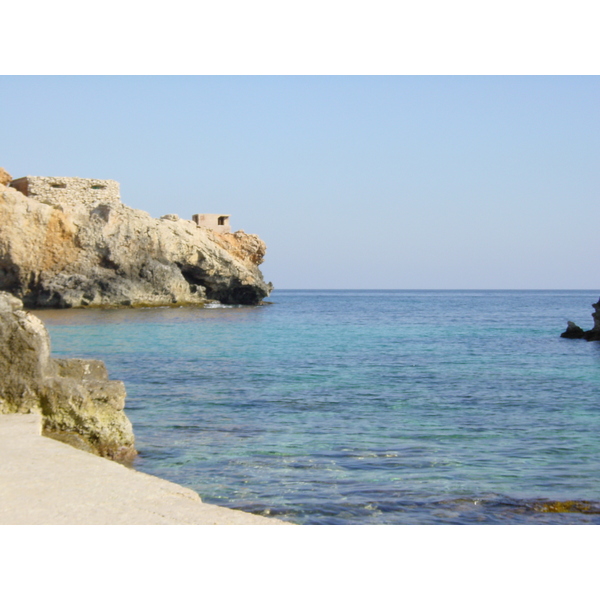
{"type": "Point", "coordinates": [363, 407]}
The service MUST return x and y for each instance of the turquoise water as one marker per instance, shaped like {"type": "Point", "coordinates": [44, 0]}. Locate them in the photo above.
{"type": "Point", "coordinates": [395, 407]}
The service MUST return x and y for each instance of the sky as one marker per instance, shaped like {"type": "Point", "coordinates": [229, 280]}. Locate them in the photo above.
{"type": "Point", "coordinates": [353, 182]}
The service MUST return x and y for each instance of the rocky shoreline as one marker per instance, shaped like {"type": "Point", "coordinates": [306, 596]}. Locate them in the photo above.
{"type": "Point", "coordinates": [573, 331]}
{"type": "Point", "coordinates": [68, 242]}
{"type": "Point", "coordinates": [76, 399]}
{"type": "Point", "coordinates": [71, 243]}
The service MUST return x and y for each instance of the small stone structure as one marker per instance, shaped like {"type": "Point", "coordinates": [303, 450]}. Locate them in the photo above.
{"type": "Point", "coordinates": [70, 190]}
{"type": "Point", "coordinates": [218, 223]}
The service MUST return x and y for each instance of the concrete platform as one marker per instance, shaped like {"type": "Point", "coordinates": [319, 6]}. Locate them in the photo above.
{"type": "Point", "coordinates": [46, 482]}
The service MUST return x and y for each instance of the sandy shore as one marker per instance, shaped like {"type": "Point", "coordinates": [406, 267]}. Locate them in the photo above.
{"type": "Point", "coordinates": [46, 482]}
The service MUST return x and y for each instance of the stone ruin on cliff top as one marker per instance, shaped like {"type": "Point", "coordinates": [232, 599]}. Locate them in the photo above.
{"type": "Point", "coordinates": [67, 190]}
{"type": "Point", "coordinates": [75, 190]}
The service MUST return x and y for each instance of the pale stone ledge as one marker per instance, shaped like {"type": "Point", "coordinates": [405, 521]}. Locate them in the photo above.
{"type": "Point", "coordinates": [68, 190]}
{"type": "Point", "coordinates": [45, 482]}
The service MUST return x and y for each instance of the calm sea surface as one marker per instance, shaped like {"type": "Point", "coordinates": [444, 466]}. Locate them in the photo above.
{"type": "Point", "coordinates": [392, 407]}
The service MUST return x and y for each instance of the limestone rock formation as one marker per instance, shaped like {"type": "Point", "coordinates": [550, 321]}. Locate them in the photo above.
{"type": "Point", "coordinates": [573, 331]}
{"type": "Point", "coordinates": [74, 396]}
{"type": "Point", "coordinates": [63, 250]}
{"type": "Point", "coordinates": [5, 177]}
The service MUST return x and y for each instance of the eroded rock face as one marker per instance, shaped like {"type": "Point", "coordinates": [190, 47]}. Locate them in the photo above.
{"type": "Point", "coordinates": [99, 252]}
{"type": "Point", "coordinates": [5, 177]}
{"type": "Point", "coordinates": [573, 331]}
{"type": "Point", "coordinates": [74, 396]}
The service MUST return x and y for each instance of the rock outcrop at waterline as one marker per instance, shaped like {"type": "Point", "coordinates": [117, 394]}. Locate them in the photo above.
{"type": "Point", "coordinates": [575, 332]}
{"type": "Point", "coordinates": [74, 396]}
{"type": "Point", "coordinates": [92, 250]}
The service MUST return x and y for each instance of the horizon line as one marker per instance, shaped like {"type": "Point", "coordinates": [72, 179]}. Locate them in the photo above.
{"type": "Point", "coordinates": [439, 289]}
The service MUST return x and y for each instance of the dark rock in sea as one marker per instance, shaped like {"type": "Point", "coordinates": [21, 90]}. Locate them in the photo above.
{"type": "Point", "coordinates": [594, 333]}
{"type": "Point", "coordinates": [573, 331]}
{"type": "Point", "coordinates": [74, 396]}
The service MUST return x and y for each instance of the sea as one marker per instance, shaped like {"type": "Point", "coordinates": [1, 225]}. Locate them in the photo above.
{"type": "Point", "coordinates": [363, 406]}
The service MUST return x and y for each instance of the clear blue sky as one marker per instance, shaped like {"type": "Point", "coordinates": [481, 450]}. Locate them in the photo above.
{"type": "Point", "coordinates": [353, 182]}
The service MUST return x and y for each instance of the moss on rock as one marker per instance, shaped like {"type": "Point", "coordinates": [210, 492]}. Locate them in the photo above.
{"type": "Point", "coordinates": [74, 396]}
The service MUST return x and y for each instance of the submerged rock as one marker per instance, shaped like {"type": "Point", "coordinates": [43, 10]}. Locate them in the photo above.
{"type": "Point", "coordinates": [573, 331]}
{"type": "Point", "coordinates": [74, 396]}
{"type": "Point", "coordinates": [567, 506]}
{"type": "Point", "coordinates": [67, 242]}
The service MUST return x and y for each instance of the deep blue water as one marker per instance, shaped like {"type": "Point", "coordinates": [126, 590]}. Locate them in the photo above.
{"type": "Point", "coordinates": [394, 407]}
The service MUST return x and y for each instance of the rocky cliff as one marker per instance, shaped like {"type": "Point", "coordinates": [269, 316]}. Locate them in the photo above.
{"type": "Point", "coordinates": [98, 252]}
{"type": "Point", "coordinates": [575, 332]}
{"type": "Point", "coordinates": [75, 397]}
